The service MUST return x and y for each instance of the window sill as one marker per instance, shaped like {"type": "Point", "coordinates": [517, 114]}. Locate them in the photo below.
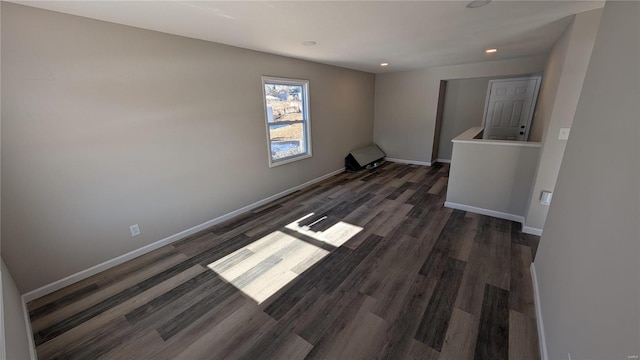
{"type": "Point", "coordinates": [289, 160]}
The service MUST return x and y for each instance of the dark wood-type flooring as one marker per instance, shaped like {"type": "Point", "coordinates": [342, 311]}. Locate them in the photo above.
{"type": "Point", "coordinates": [360, 266]}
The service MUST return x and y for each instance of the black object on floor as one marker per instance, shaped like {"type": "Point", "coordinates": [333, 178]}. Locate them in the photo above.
{"type": "Point", "coordinates": [366, 158]}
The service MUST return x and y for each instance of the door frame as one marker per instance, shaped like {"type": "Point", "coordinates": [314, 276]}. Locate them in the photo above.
{"type": "Point", "coordinates": [438, 128]}
{"type": "Point", "coordinates": [532, 111]}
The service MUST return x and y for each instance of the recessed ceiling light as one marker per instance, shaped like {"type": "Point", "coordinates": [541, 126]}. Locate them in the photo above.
{"type": "Point", "coordinates": [477, 3]}
{"type": "Point", "coordinates": [384, 64]}
{"type": "Point", "coordinates": [491, 51]}
{"type": "Point", "coordinates": [309, 43]}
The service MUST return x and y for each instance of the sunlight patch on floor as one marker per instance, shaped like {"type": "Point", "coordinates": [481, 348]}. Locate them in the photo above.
{"type": "Point", "coordinates": [336, 235]}
{"type": "Point", "coordinates": [265, 266]}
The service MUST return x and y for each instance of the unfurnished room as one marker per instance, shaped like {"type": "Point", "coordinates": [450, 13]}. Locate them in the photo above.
{"type": "Point", "coordinates": [440, 180]}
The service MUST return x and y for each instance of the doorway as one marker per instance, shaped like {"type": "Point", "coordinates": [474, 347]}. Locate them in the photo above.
{"type": "Point", "coordinates": [461, 105]}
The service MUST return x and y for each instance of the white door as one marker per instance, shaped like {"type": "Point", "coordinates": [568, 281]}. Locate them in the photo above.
{"type": "Point", "coordinates": [509, 108]}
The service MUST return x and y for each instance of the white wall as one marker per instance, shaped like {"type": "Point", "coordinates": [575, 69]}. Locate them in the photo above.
{"type": "Point", "coordinates": [492, 176]}
{"type": "Point", "coordinates": [105, 126]}
{"type": "Point", "coordinates": [588, 262]}
{"type": "Point", "coordinates": [562, 83]}
{"type": "Point", "coordinates": [14, 326]}
{"type": "Point", "coordinates": [3, 353]}
{"type": "Point", "coordinates": [463, 109]}
{"type": "Point", "coordinates": [406, 103]}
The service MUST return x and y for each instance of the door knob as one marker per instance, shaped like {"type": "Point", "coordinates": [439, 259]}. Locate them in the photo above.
{"type": "Point", "coordinates": [522, 127]}
{"type": "Point", "coordinates": [521, 132]}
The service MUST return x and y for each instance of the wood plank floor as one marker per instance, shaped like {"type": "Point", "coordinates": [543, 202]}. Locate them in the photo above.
{"type": "Point", "coordinates": [360, 266]}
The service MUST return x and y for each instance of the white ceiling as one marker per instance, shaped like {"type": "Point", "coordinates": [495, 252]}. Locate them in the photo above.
{"type": "Point", "coordinates": [352, 34]}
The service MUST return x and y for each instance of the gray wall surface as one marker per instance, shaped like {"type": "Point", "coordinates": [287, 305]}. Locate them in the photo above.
{"type": "Point", "coordinates": [492, 177]}
{"type": "Point", "coordinates": [463, 109]}
{"type": "Point", "coordinates": [562, 84]}
{"type": "Point", "coordinates": [105, 126]}
{"type": "Point", "coordinates": [15, 328]}
{"type": "Point", "coordinates": [406, 102]}
{"type": "Point", "coordinates": [588, 262]}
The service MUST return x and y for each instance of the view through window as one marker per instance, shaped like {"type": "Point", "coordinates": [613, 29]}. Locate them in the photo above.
{"type": "Point", "coordinates": [287, 119]}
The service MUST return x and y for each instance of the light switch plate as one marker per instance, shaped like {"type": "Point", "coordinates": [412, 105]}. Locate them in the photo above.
{"type": "Point", "coordinates": [135, 230]}
{"type": "Point", "coordinates": [545, 198]}
{"type": "Point", "coordinates": [564, 134]}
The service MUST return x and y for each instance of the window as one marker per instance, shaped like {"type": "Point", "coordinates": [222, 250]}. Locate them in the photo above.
{"type": "Point", "coordinates": [286, 103]}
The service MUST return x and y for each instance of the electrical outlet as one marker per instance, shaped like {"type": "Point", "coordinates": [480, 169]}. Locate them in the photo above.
{"type": "Point", "coordinates": [135, 230]}
{"type": "Point", "coordinates": [545, 198]}
{"type": "Point", "coordinates": [564, 134]}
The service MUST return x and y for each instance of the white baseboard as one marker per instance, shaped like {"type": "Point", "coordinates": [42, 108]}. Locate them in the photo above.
{"type": "Point", "coordinates": [498, 214]}
{"type": "Point", "coordinates": [531, 230]}
{"type": "Point", "coordinates": [27, 320]}
{"type": "Point", "coordinates": [482, 211]}
{"type": "Point", "coordinates": [536, 298]}
{"type": "Point", "coordinates": [444, 161]}
{"type": "Point", "coordinates": [410, 162]}
{"type": "Point", "coordinates": [81, 275]}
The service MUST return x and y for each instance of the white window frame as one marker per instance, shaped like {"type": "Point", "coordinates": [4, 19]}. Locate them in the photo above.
{"type": "Point", "coordinates": [306, 122]}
